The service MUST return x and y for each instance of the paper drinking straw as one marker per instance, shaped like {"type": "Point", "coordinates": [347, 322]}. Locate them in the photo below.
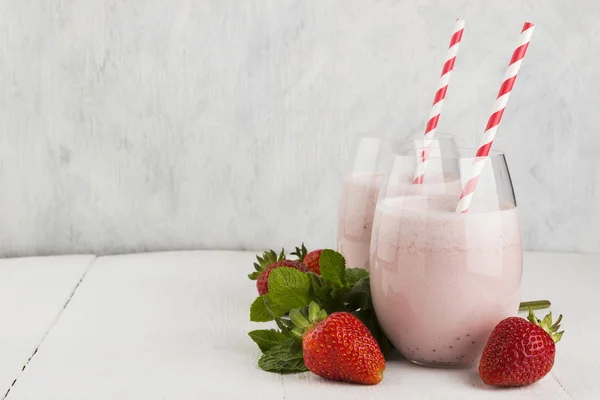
{"type": "Point", "coordinates": [492, 126]}
{"type": "Point", "coordinates": [438, 101]}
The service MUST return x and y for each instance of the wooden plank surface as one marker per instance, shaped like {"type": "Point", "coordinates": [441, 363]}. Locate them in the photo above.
{"type": "Point", "coordinates": [33, 293]}
{"type": "Point", "coordinates": [173, 326]}
{"type": "Point", "coordinates": [154, 326]}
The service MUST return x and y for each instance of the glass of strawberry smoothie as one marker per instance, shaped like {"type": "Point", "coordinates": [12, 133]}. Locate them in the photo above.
{"type": "Point", "coordinates": [441, 280]}
{"type": "Point", "coordinates": [370, 157]}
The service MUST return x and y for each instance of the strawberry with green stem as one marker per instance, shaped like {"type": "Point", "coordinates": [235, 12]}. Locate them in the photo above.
{"type": "Point", "coordinates": [268, 262]}
{"type": "Point", "coordinates": [310, 260]}
{"type": "Point", "coordinates": [520, 352]}
{"type": "Point", "coordinates": [338, 346]}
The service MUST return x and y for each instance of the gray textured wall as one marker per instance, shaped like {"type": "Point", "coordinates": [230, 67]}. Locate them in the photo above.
{"type": "Point", "coordinates": [167, 124]}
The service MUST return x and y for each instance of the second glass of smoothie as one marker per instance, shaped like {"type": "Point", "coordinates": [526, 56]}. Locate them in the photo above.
{"type": "Point", "coordinates": [370, 158]}
{"type": "Point", "coordinates": [442, 280]}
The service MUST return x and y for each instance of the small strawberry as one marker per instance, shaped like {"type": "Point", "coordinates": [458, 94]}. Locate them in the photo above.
{"type": "Point", "coordinates": [339, 346]}
{"type": "Point", "coordinates": [262, 283]}
{"type": "Point", "coordinates": [518, 352]}
{"type": "Point", "coordinates": [310, 260]}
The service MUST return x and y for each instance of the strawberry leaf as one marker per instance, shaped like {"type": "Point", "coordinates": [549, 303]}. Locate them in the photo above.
{"type": "Point", "coordinates": [300, 252]}
{"type": "Point", "coordinates": [254, 275]}
{"type": "Point", "coordinates": [332, 266]}
{"type": "Point", "coordinates": [285, 325]}
{"type": "Point", "coordinates": [268, 257]}
{"type": "Point", "coordinates": [547, 325]}
{"type": "Point", "coordinates": [547, 321]}
{"type": "Point", "coordinates": [267, 338]}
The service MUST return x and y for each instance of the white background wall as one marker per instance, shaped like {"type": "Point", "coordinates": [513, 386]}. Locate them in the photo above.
{"type": "Point", "coordinates": [167, 124]}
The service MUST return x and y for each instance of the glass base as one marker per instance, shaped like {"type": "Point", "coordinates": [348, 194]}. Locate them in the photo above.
{"type": "Point", "coordinates": [442, 364]}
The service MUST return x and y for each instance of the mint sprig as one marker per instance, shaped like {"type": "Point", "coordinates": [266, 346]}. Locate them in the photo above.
{"type": "Point", "coordinates": [337, 289]}
{"type": "Point", "coordinates": [283, 357]}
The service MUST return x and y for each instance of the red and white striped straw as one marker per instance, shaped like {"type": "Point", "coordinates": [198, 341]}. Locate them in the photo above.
{"type": "Point", "coordinates": [492, 126]}
{"type": "Point", "coordinates": [438, 101]}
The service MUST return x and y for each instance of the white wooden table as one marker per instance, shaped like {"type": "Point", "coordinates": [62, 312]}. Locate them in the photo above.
{"type": "Point", "coordinates": [173, 326]}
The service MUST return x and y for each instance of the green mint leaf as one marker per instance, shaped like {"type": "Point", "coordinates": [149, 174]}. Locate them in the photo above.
{"type": "Point", "coordinates": [327, 296]}
{"type": "Point", "coordinates": [338, 295]}
{"type": "Point", "coordinates": [359, 296]}
{"type": "Point", "coordinates": [332, 299]}
{"type": "Point", "coordinates": [316, 282]}
{"type": "Point", "coordinates": [353, 275]}
{"type": "Point", "coordinates": [283, 357]}
{"type": "Point", "coordinates": [275, 309]}
{"type": "Point", "coordinates": [289, 289]}
{"type": "Point", "coordinates": [259, 310]}
{"type": "Point", "coordinates": [272, 363]}
{"type": "Point", "coordinates": [267, 338]}
{"type": "Point", "coordinates": [332, 266]}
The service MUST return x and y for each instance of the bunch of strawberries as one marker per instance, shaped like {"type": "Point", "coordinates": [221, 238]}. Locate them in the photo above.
{"type": "Point", "coordinates": [340, 347]}
{"type": "Point", "coordinates": [270, 260]}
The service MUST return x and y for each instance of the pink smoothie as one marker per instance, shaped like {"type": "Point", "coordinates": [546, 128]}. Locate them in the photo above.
{"type": "Point", "coordinates": [357, 209]}
{"type": "Point", "coordinates": [441, 281]}
{"type": "Point", "coordinates": [355, 220]}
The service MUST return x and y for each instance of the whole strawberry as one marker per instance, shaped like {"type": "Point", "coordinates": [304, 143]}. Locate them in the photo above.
{"type": "Point", "coordinates": [518, 352]}
{"type": "Point", "coordinates": [338, 347]}
{"type": "Point", "coordinates": [310, 260]}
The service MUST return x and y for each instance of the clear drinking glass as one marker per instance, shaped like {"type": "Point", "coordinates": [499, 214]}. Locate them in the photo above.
{"type": "Point", "coordinates": [371, 154]}
{"type": "Point", "coordinates": [441, 280]}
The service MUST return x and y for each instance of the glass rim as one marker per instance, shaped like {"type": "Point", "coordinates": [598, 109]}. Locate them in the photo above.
{"type": "Point", "coordinates": [463, 153]}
